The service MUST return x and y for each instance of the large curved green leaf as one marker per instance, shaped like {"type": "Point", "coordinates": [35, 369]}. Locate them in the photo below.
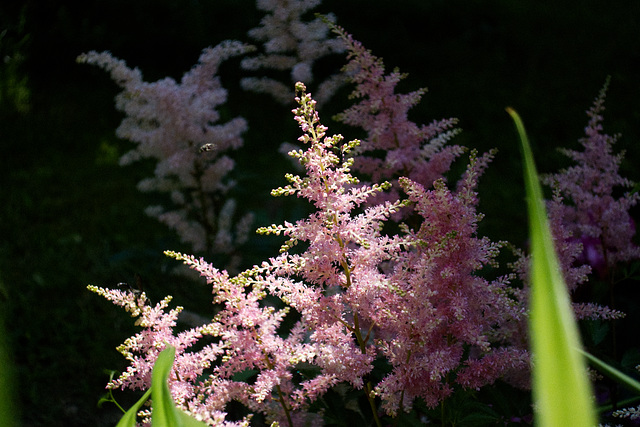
{"type": "Point", "coordinates": [561, 388]}
{"type": "Point", "coordinates": [165, 413]}
{"type": "Point", "coordinates": [129, 417]}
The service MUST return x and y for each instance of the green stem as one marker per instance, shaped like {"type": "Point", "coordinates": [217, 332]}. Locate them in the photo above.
{"type": "Point", "coordinates": [372, 403]}
{"type": "Point", "coordinates": [113, 400]}
{"type": "Point", "coordinates": [209, 229]}
{"type": "Point", "coordinates": [284, 405]}
{"type": "Point", "coordinates": [287, 411]}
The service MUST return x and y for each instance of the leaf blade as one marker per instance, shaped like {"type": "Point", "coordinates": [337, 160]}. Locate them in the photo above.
{"type": "Point", "coordinates": [561, 389]}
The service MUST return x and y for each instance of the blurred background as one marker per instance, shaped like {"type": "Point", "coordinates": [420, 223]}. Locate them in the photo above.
{"type": "Point", "coordinates": [71, 216]}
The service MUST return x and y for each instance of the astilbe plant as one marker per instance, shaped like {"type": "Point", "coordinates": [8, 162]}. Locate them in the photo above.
{"type": "Point", "coordinates": [244, 338]}
{"type": "Point", "coordinates": [574, 265]}
{"type": "Point", "coordinates": [592, 230]}
{"type": "Point", "coordinates": [575, 271]}
{"type": "Point", "coordinates": [394, 146]}
{"type": "Point", "coordinates": [142, 349]}
{"type": "Point", "coordinates": [429, 314]}
{"type": "Point", "coordinates": [291, 44]}
{"type": "Point", "coordinates": [254, 345]}
{"type": "Point", "coordinates": [441, 323]}
{"type": "Point", "coordinates": [248, 330]}
{"type": "Point", "coordinates": [331, 282]}
{"type": "Point", "coordinates": [414, 300]}
{"type": "Point", "coordinates": [178, 125]}
{"type": "Point", "coordinates": [593, 213]}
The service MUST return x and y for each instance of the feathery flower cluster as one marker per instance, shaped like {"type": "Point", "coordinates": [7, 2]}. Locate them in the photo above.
{"type": "Point", "coordinates": [441, 323]}
{"type": "Point", "coordinates": [596, 218]}
{"type": "Point", "coordinates": [409, 150]}
{"type": "Point", "coordinates": [569, 251]}
{"type": "Point", "coordinates": [177, 124]}
{"type": "Point", "coordinates": [246, 345]}
{"type": "Point", "coordinates": [331, 282]}
{"type": "Point", "coordinates": [143, 349]}
{"type": "Point", "coordinates": [254, 347]}
{"type": "Point", "coordinates": [360, 295]}
{"type": "Point", "coordinates": [595, 230]}
{"type": "Point", "coordinates": [293, 45]}
{"type": "Point", "coordinates": [415, 299]}
{"type": "Point", "coordinates": [572, 263]}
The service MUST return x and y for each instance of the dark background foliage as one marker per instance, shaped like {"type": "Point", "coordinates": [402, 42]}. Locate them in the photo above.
{"type": "Point", "coordinates": [70, 216]}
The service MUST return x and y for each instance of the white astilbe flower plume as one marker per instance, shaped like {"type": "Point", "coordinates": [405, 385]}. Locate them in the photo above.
{"type": "Point", "coordinates": [293, 45]}
{"type": "Point", "coordinates": [178, 125]}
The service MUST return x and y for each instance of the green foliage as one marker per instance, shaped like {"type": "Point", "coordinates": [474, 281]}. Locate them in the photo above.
{"type": "Point", "coordinates": [129, 418]}
{"type": "Point", "coordinates": [164, 412]}
{"type": "Point", "coordinates": [8, 415]}
{"type": "Point", "coordinates": [561, 388]}
{"type": "Point", "coordinates": [15, 92]}
{"type": "Point", "coordinates": [612, 372]}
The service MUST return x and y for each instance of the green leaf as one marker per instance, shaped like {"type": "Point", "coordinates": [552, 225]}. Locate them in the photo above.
{"type": "Point", "coordinates": [163, 406]}
{"type": "Point", "coordinates": [165, 413]}
{"type": "Point", "coordinates": [561, 389]}
{"type": "Point", "coordinates": [630, 358]}
{"type": "Point", "coordinates": [129, 417]}
{"type": "Point", "coordinates": [596, 331]}
{"type": "Point", "coordinates": [613, 373]}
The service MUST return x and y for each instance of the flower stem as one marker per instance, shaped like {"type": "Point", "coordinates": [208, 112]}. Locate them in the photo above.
{"type": "Point", "coordinates": [270, 366]}
{"type": "Point", "coordinates": [284, 405]}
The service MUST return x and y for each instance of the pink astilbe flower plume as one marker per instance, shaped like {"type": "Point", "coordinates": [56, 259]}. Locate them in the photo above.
{"type": "Point", "coordinates": [417, 152]}
{"type": "Point", "coordinates": [245, 339]}
{"type": "Point", "coordinates": [592, 213]}
{"type": "Point", "coordinates": [573, 264]}
{"type": "Point", "coordinates": [592, 230]}
{"type": "Point", "coordinates": [251, 339]}
{"type": "Point", "coordinates": [331, 283]}
{"type": "Point", "coordinates": [143, 348]}
{"type": "Point", "coordinates": [178, 125]}
{"type": "Point", "coordinates": [442, 323]}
